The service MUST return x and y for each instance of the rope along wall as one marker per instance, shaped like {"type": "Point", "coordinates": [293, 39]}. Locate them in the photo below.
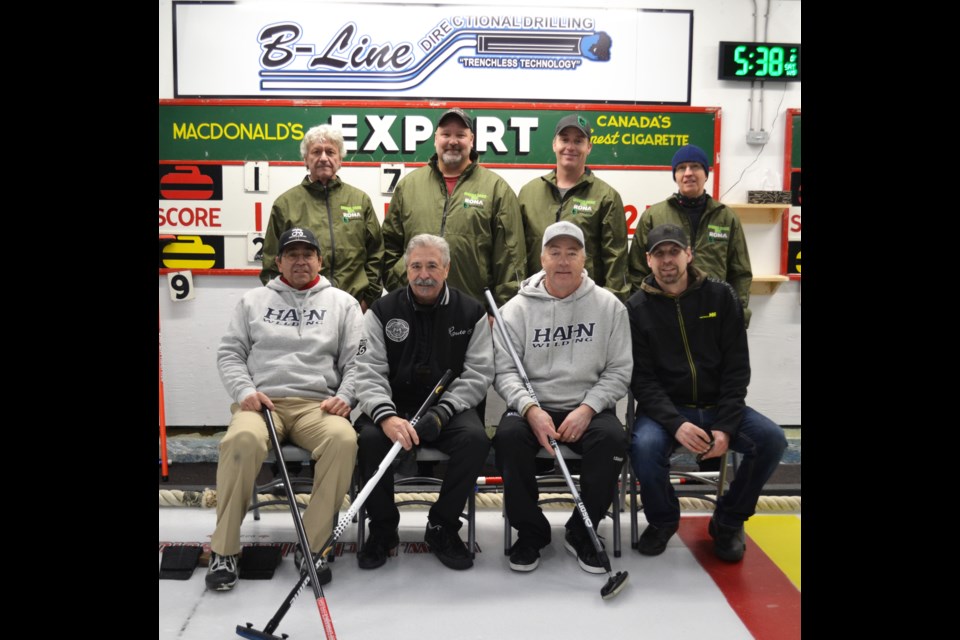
{"type": "Point", "coordinates": [207, 499]}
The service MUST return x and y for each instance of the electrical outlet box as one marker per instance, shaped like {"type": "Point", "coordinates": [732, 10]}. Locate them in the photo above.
{"type": "Point", "coordinates": [758, 137]}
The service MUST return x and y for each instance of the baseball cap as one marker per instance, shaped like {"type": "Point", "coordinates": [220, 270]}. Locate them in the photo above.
{"type": "Point", "coordinates": [577, 122]}
{"type": "Point", "coordinates": [562, 228]}
{"type": "Point", "coordinates": [666, 233]}
{"type": "Point", "coordinates": [298, 234]}
{"type": "Point", "coordinates": [459, 113]}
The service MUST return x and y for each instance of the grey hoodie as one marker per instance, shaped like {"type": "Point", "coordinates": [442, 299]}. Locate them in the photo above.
{"type": "Point", "coordinates": [289, 343]}
{"type": "Point", "coordinates": [575, 350]}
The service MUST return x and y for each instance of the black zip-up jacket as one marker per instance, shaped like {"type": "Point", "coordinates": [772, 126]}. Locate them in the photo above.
{"type": "Point", "coordinates": [406, 347]}
{"type": "Point", "coordinates": [691, 350]}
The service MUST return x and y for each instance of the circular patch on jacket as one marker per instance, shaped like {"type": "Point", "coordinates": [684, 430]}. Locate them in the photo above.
{"type": "Point", "coordinates": [397, 330]}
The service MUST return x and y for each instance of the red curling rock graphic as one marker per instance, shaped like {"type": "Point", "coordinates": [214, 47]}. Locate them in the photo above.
{"type": "Point", "coordinates": [186, 182]}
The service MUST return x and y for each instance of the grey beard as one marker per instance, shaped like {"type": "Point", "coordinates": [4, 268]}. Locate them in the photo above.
{"type": "Point", "coordinates": [453, 158]}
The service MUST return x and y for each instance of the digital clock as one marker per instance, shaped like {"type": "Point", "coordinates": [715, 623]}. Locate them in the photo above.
{"type": "Point", "coordinates": [771, 61]}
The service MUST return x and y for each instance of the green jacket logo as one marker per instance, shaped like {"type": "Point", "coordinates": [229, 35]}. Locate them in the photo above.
{"type": "Point", "coordinates": [474, 199]}
{"type": "Point", "coordinates": [351, 212]}
{"type": "Point", "coordinates": [583, 206]}
{"type": "Point", "coordinates": [717, 233]}
{"type": "Point", "coordinates": [712, 314]}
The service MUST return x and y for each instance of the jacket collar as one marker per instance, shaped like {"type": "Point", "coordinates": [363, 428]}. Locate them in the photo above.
{"type": "Point", "coordinates": [434, 162]}
{"type": "Point", "coordinates": [442, 300]}
{"type": "Point", "coordinates": [695, 281]}
{"type": "Point", "coordinates": [332, 183]}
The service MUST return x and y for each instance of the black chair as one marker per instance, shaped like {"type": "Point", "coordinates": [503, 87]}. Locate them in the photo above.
{"type": "Point", "coordinates": [556, 483]}
{"type": "Point", "coordinates": [291, 454]}
{"type": "Point", "coordinates": [714, 486]}
{"type": "Point", "coordinates": [425, 454]}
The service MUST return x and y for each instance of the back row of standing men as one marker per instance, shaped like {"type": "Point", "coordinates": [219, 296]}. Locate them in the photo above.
{"type": "Point", "coordinates": [494, 235]}
{"type": "Point", "coordinates": [454, 222]}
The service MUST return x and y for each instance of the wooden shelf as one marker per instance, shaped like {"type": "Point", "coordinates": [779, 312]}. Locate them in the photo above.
{"type": "Point", "coordinates": [766, 285]}
{"type": "Point", "coordinates": [759, 213]}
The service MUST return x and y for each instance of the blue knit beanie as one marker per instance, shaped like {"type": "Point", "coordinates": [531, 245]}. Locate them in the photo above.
{"type": "Point", "coordinates": [690, 153]}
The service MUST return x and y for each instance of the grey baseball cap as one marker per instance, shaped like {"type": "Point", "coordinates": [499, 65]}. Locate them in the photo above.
{"type": "Point", "coordinates": [562, 228]}
{"type": "Point", "coordinates": [577, 122]}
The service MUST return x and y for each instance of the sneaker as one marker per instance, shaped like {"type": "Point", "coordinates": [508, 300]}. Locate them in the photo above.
{"type": "Point", "coordinates": [524, 557]}
{"type": "Point", "coordinates": [729, 543]}
{"type": "Point", "coordinates": [654, 539]}
{"type": "Point", "coordinates": [324, 575]}
{"type": "Point", "coordinates": [377, 548]}
{"type": "Point", "coordinates": [580, 545]}
{"type": "Point", "coordinates": [446, 544]}
{"type": "Point", "coordinates": [222, 572]}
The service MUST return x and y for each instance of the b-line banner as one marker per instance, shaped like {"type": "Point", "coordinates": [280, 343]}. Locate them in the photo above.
{"type": "Point", "coordinates": [222, 163]}
{"type": "Point", "coordinates": [295, 49]}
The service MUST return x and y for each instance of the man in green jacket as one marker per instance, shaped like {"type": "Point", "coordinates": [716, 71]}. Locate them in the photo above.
{"type": "Point", "coordinates": [572, 192]}
{"type": "Point", "coordinates": [471, 207]}
{"type": "Point", "coordinates": [340, 216]}
{"type": "Point", "coordinates": [715, 231]}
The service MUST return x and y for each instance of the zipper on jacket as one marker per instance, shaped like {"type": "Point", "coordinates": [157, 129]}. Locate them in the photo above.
{"type": "Point", "coordinates": [333, 243]}
{"type": "Point", "coordinates": [562, 198]}
{"type": "Point", "coordinates": [686, 349]}
{"type": "Point", "coordinates": [446, 201]}
{"type": "Point", "coordinates": [443, 219]}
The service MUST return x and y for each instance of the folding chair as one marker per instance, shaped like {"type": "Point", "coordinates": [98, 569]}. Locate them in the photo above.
{"type": "Point", "coordinates": [558, 482]}
{"type": "Point", "coordinates": [291, 454]}
{"type": "Point", "coordinates": [719, 483]}
{"type": "Point", "coordinates": [425, 454]}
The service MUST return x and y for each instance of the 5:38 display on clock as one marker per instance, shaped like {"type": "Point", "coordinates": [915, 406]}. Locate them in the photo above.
{"type": "Point", "coordinates": [771, 61]}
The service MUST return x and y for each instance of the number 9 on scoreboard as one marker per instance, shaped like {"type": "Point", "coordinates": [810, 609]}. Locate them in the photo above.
{"type": "Point", "coordinates": [181, 285]}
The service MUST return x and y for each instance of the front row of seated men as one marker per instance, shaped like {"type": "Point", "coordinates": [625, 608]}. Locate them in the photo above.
{"type": "Point", "coordinates": [303, 349]}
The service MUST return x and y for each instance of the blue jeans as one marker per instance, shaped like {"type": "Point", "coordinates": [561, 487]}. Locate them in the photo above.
{"type": "Point", "coordinates": [759, 439]}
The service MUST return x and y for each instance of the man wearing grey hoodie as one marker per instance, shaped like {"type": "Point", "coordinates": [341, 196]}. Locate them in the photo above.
{"type": "Point", "coordinates": [573, 338]}
{"type": "Point", "coordinates": [290, 347]}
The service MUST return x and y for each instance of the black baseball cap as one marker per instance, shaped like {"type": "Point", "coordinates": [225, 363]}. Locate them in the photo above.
{"type": "Point", "coordinates": [459, 113]}
{"type": "Point", "coordinates": [298, 234]}
{"type": "Point", "coordinates": [666, 233]}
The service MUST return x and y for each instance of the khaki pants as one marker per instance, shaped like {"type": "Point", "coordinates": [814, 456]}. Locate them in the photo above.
{"type": "Point", "coordinates": [332, 442]}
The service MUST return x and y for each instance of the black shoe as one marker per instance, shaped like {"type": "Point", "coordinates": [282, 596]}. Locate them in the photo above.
{"type": "Point", "coordinates": [580, 545]}
{"type": "Point", "coordinates": [729, 543]}
{"type": "Point", "coordinates": [654, 539]}
{"type": "Point", "coordinates": [446, 544]}
{"type": "Point", "coordinates": [377, 548]}
{"type": "Point", "coordinates": [222, 572]}
{"type": "Point", "coordinates": [524, 557]}
{"type": "Point", "coordinates": [324, 575]}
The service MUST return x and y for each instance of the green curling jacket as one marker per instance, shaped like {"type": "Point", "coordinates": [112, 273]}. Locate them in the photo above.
{"type": "Point", "coordinates": [346, 226]}
{"type": "Point", "coordinates": [480, 220]}
{"type": "Point", "coordinates": [595, 207]}
{"type": "Point", "coordinates": [719, 250]}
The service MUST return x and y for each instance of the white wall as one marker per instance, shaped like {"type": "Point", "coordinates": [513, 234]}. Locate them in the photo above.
{"type": "Point", "coordinates": [191, 330]}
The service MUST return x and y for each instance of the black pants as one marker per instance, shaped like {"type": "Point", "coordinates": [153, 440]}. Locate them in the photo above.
{"type": "Point", "coordinates": [603, 447]}
{"type": "Point", "coordinates": [463, 439]}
